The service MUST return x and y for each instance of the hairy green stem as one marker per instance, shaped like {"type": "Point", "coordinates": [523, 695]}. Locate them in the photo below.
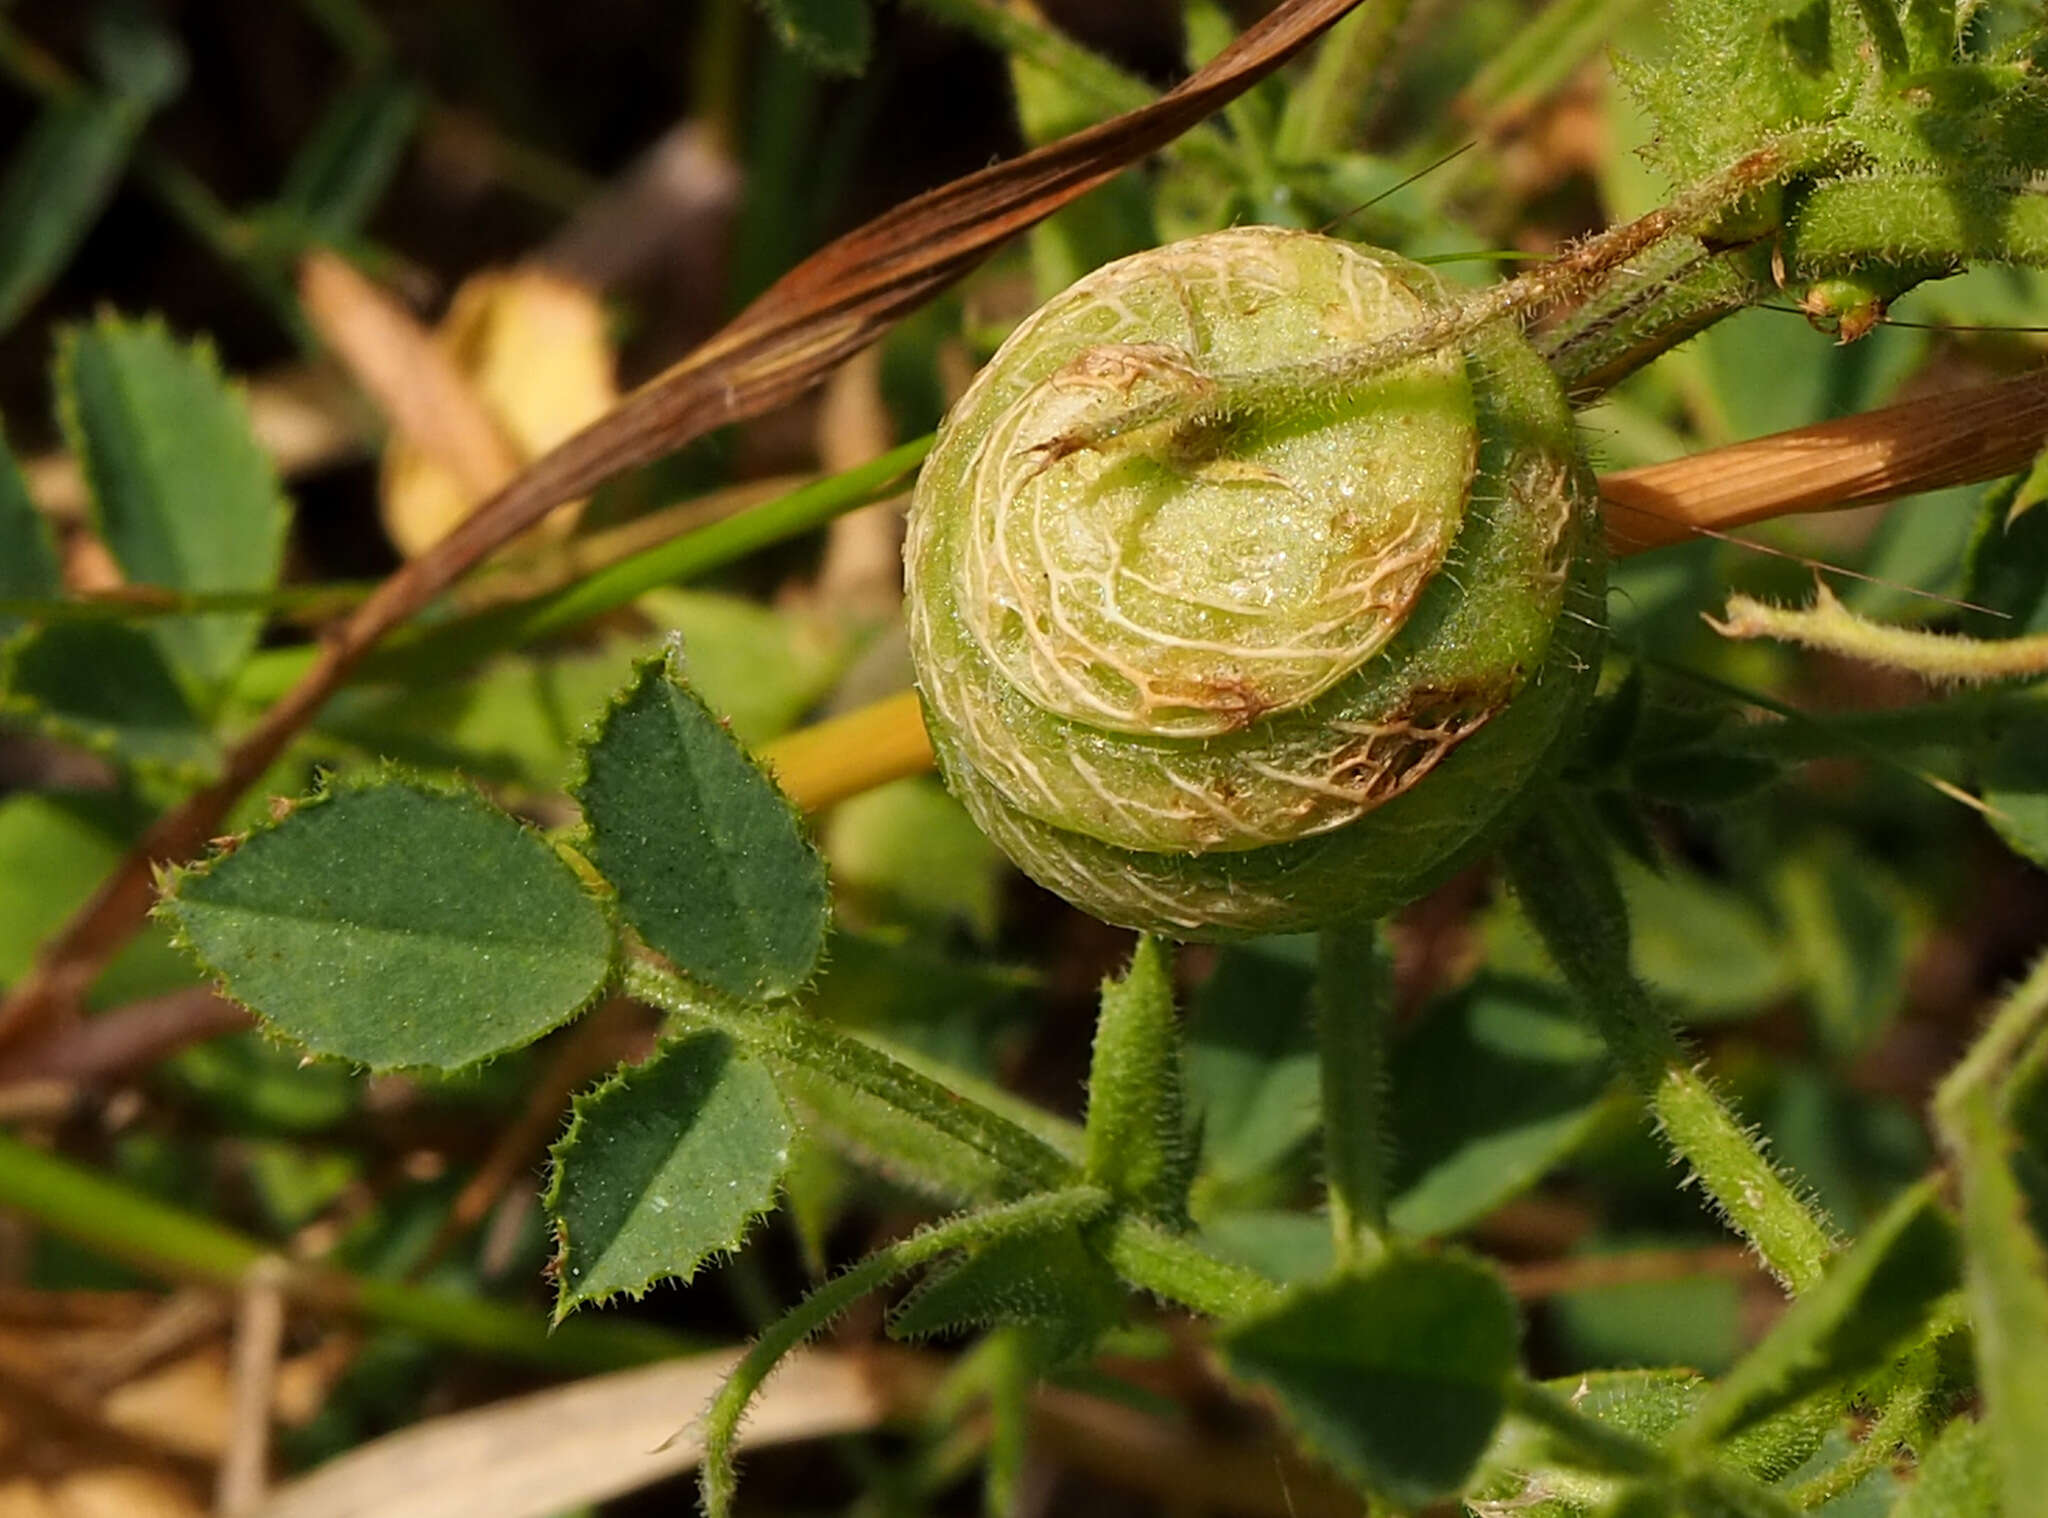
{"type": "Point", "coordinates": [1037, 1215]}
{"type": "Point", "coordinates": [2006, 1263]}
{"type": "Point", "coordinates": [1303, 384]}
{"type": "Point", "coordinates": [1909, 1413]}
{"type": "Point", "coordinates": [1999, 1048]}
{"type": "Point", "coordinates": [1959, 721]}
{"type": "Point", "coordinates": [1354, 1021]}
{"type": "Point", "coordinates": [1175, 1268]}
{"type": "Point", "coordinates": [1921, 218]}
{"type": "Point", "coordinates": [125, 1224]}
{"type": "Point", "coordinates": [1025, 1155]}
{"type": "Point", "coordinates": [1568, 889]}
{"type": "Point", "coordinates": [1646, 308]}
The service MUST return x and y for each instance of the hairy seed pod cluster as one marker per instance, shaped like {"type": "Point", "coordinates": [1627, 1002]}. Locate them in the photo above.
{"type": "Point", "coordinates": [1214, 669]}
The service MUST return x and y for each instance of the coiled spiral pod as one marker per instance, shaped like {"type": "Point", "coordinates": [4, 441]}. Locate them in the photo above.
{"type": "Point", "coordinates": [1214, 669]}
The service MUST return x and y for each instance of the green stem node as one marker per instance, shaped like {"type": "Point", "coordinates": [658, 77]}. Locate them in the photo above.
{"type": "Point", "coordinates": [1024, 1147]}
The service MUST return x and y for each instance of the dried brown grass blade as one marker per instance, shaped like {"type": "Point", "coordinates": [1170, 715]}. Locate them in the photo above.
{"type": "Point", "coordinates": [1957, 438]}
{"type": "Point", "coordinates": [821, 312]}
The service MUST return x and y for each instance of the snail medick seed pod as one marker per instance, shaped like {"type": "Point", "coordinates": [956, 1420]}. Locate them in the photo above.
{"type": "Point", "coordinates": [1215, 668]}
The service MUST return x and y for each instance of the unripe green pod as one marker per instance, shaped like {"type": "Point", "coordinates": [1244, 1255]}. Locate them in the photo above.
{"type": "Point", "coordinates": [1229, 670]}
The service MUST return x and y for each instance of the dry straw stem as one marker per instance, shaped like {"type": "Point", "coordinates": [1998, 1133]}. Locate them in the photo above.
{"type": "Point", "coordinates": [1957, 438]}
{"type": "Point", "coordinates": [244, 1473]}
{"type": "Point", "coordinates": [823, 764]}
{"type": "Point", "coordinates": [820, 313]}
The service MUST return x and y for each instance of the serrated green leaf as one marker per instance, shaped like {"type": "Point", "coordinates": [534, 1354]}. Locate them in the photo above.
{"type": "Point", "coordinates": [1957, 1477]}
{"type": "Point", "coordinates": [398, 927]}
{"type": "Point", "coordinates": [57, 182]}
{"type": "Point", "coordinates": [665, 1165]}
{"type": "Point", "coordinates": [833, 36]}
{"type": "Point", "coordinates": [1646, 1403]}
{"type": "Point", "coordinates": [28, 550]}
{"type": "Point", "coordinates": [341, 172]}
{"type": "Point", "coordinates": [106, 687]}
{"type": "Point", "coordinates": [182, 493]}
{"type": "Point", "coordinates": [710, 861]}
{"type": "Point", "coordinates": [1137, 1144]}
{"type": "Point", "coordinates": [1528, 1472]}
{"type": "Point", "coordinates": [1251, 1058]}
{"type": "Point", "coordinates": [1489, 1092]}
{"type": "Point", "coordinates": [1868, 1306]}
{"type": "Point", "coordinates": [1054, 1283]}
{"type": "Point", "coordinates": [1397, 1376]}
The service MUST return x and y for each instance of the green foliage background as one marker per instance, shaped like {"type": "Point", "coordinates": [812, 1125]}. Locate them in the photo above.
{"type": "Point", "coordinates": [1768, 894]}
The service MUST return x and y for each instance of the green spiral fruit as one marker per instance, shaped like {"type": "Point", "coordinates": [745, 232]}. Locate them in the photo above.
{"type": "Point", "coordinates": [1214, 669]}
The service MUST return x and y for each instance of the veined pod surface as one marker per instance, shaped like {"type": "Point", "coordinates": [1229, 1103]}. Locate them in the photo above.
{"type": "Point", "coordinates": [1244, 670]}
